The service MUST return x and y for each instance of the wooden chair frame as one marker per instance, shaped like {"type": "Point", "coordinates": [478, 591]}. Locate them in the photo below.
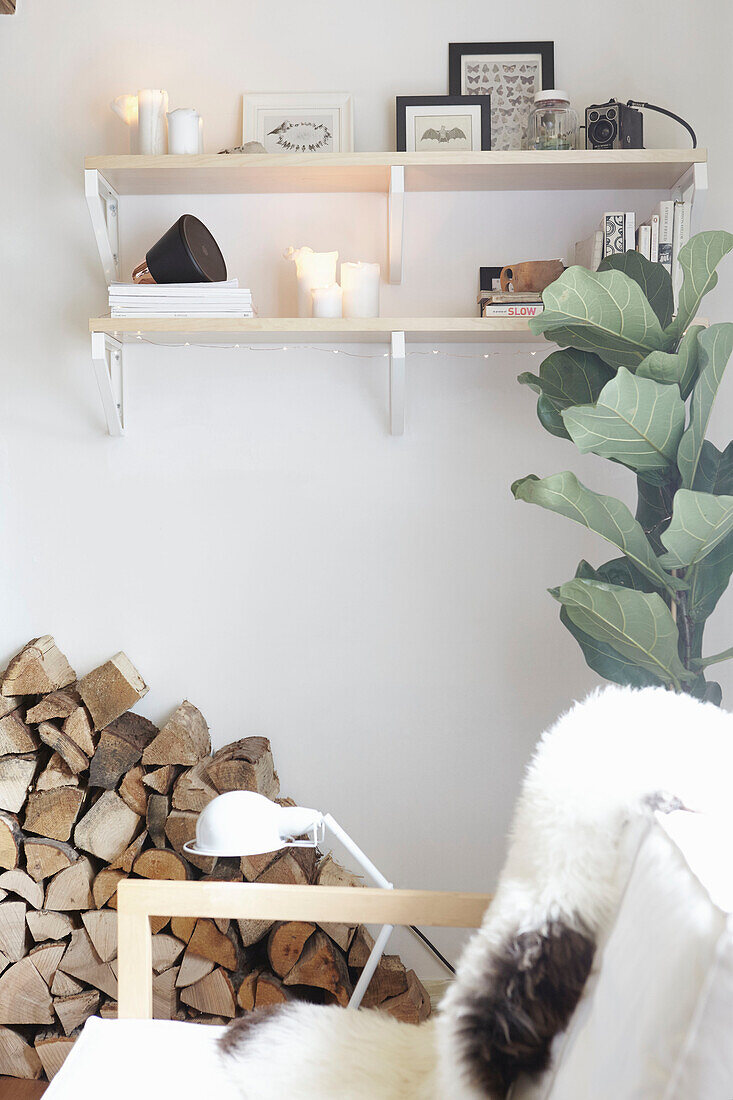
{"type": "Point", "coordinates": [139, 900]}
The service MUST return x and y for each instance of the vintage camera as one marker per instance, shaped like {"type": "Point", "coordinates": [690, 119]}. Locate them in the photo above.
{"type": "Point", "coordinates": [613, 125]}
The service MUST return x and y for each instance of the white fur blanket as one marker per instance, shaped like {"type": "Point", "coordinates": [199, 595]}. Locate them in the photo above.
{"type": "Point", "coordinates": [617, 756]}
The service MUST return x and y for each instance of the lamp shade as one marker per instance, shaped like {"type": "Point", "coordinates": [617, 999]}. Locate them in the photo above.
{"type": "Point", "coordinates": [242, 823]}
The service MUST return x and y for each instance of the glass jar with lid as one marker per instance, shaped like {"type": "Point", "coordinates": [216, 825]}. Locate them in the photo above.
{"type": "Point", "coordinates": [553, 124]}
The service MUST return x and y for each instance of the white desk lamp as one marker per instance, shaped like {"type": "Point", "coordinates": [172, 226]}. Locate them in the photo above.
{"type": "Point", "coordinates": [242, 823]}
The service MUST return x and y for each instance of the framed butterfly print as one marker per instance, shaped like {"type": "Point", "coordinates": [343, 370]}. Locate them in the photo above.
{"type": "Point", "coordinates": [511, 73]}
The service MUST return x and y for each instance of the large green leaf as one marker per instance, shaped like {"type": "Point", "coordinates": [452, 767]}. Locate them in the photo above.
{"type": "Point", "coordinates": [566, 377]}
{"type": "Point", "coordinates": [708, 581]}
{"type": "Point", "coordinates": [716, 344]}
{"type": "Point", "coordinates": [638, 625]}
{"type": "Point", "coordinates": [608, 517]}
{"type": "Point", "coordinates": [602, 312]}
{"type": "Point", "coordinates": [618, 571]}
{"type": "Point", "coordinates": [700, 522]}
{"type": "Point", "coordinates": [654, 508]}
{"type": "Point", "coordinates": [715, 470]}
{"type": "Point", "coordinates": [604, 660]}
{"type": "Point", "coordinates": [707, 691]}
{"type": "Point", "coordinates": [674, 367]}
{"type": "Point", "coordinates": [698, 260]}
{"type": "Point", "coordinates": [635, 420]}
{"type": "Point", "coordinates": [654, 280]}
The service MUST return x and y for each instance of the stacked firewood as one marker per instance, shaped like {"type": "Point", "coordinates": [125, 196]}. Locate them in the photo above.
{"type": "Point", "coordinates": [91, 793]}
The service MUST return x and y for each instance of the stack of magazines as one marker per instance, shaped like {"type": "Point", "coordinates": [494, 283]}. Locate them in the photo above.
{"type": "Point", "coordinates": [180, 300]}
{"type": "Point", "coordinates": [497, 303]}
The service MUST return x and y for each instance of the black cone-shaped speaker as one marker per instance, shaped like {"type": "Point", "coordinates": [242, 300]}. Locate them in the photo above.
{"type": "Point", "coordinates": [186, 253]}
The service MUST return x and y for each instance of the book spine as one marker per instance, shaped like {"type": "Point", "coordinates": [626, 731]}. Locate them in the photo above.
{"type": "Point", "coordinates": [643, 241]}
{"type": "Point", "coordinates": [680, 236]}
{"type": "Point", "coordinates": [666, 226]}
{"type": "Point", "coordinates": [526, 310]}
{"type": "Point", "coordinates": [613, 233]}
{"type": "Point", "coordinates": [629, 231]}
{"type": "Point", "coordinates": [654, 250]}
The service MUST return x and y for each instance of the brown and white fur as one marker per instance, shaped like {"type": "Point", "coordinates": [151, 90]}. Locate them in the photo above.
{"type": "Point", "coordinates": [607, 763]}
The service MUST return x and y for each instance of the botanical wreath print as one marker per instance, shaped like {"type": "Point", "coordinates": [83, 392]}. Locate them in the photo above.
{"type": "Point", "coordinates": [302, 137]}
{"type": "Point", "coordinates": [512, 86]}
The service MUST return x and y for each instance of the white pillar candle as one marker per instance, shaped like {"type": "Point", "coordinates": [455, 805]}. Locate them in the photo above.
{"type": "Point", "coordinates": [314, 269]}
{"type": "Point", "coordinates": [152, 105]}
{"type": "Point", "coordinates": [125, 107]}
{"type": "Point", "coordinates": [360, 286]}
{"type": "Point", "coordinates": [183, 131]}
{"type": "Point", "coordinates": [327, 301]}
{"type": "Point", "coordinates": [201, 134]}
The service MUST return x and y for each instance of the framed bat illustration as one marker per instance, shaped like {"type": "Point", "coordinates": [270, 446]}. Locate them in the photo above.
{"type": "Point", "coordinates": [509, 72]}
{"type": "Point", "coordinates": [443, 123]}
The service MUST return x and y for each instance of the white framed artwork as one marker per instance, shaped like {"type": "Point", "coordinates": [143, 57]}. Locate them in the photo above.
{"type": "Point", "coordinates": [299, 122]}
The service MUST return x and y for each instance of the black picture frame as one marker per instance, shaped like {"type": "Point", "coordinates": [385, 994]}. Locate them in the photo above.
{"type": "Point", "coordinates": [458, 50]}
{"type": "Point", "coordinates": [402, 102]}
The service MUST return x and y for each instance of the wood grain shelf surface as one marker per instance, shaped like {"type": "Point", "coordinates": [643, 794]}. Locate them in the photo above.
{"type": "Point", "coordinates": [296, 330]}
{"type": "Point", "coordinates": [581, 169]}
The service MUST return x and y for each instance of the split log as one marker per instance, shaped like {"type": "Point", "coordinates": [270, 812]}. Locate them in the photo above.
{"type": "Point", "coordinates": [120, 747]}
{"type": "Point", "coordinates": [389, 980]}
{"type": "Point", "coordinates": [104, 889]}
{"type": "Point", "coordinates": [48, 925]}
{"type": "Point", "coordinates": [331, 873]}
{"type": "Point", "coordinates": [53, 813]}
{"type": "Point", "coordinates": [161, 863]}
{"type": "Point", "coordinates": [412, 1006]}
{"type": "Point", "coordinates": [132, 790]}
{"type": "Point", "coordinates": [270, 991]}
{"type": "Point", "coordinates": [107, 829]}
{"type": "Point", "coordinates": [64, 985]}
{"type": "Point", "coordinates": [182, 927]}
{"type": "Point", "coordinates": [4, 962]}
{"type": "Point", "coordinates": [59, 704]}
{"type": "Point", "coordinates": [161, 779]}
{"type": "Point", "coordinates": [361, 948]}
{"type": "Point", "coordinates": [24, 996]}
{"type": "Point", "coordinates": [67, 749]}
{"type": "Point", "coordinates": [17, 1057]}
{"type": "Point", "coordinates": [111, 689]}
{"type": "Point", "coordinates": [46, 958]}
{"type": "Point", "coordinates": [322, 965]}
{"type": "Point", "coordinates": [19, 883]}
{"type": "Point", "coordinates": [180, 827]}
{"type": "Point", "coordinates": [166, 950]}
{"type": "Point", "coordinates": [248, 990]}
{"type": "Point", "coordinates": [193, 968]}
{"type": "Point", "coordinates": [245, 765]}
{"type": "Point", "coordinates": [82, 962]}
{"type": "Point", "coordinates": [184, 739]}
{"type": "Point", "coordinates": [15, 735]}
{"type": "Point", "coordinates": [38, 669]}
{"type": "Point", "coordinates": [72, 887]}
{"type": "Point", "coordinates": [12, 929]}
{"type": "Point", "coordinates": [252, 931]}
{"type": "Point", "coordinates": [109, 1010]}
{"type": "Point", "coordinates": [213, 995]}
{"type": "Point", "coordinates": [285, 945]}
{"type": "Point", "coordinates": [101, 926]}
{"type": "Point", "coordinates": [57, 773]}
{"type": "Point", "coordinates": [165, 997]}
{"type": "Point", "coordinates": [253, 866]}
{"type": "Point", "coordinates": [192, 790]}
{"type": "Point", "coordinates": [157, 815]}
{"type": "Point", "coordinates": [74, 1010]}
{"type": "Point", "coordinates": [125, 861]}
{"type": "Point", "coordinates": [78, 726]}
{"type": "Point", "coordinates": [10, 841]}
{"type": "Point", "coordinates": [16, 775]}
{"type": "Point", "coordinates": [43, 858]}
{"type": "Point", "coordinates": [293, 868]}
{"type": "Point", "coordinates": [53, 1050]}
{"type": "Point", "coordinates": [208, 942]}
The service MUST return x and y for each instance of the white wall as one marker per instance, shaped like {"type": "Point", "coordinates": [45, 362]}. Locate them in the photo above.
{"type": "Point", "coordinates": [258, 543]}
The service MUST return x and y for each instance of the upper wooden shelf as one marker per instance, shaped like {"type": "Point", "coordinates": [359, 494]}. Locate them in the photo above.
{"type": "Point", "coordinates": [226, 174]}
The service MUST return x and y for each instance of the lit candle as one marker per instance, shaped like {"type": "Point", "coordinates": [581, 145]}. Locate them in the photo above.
{"type": "Point", "coordinates": [125, 107]}
{"type": "Point", "coordinates": [152, 105]}
{"type": "Point", "coordinates": [360, 285]}
{"type": "Point", "coordinates": [183, 130]}
{"type": "Point", "coordinates": [327, 301]}
{"type": "Point", "coordinates": [314, 269]}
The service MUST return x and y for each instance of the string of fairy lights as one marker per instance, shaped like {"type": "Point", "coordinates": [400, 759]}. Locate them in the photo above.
{"type": "Point", "coordinates": [410, 353]}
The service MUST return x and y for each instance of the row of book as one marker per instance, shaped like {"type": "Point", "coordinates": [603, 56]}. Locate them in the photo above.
{"type": "Point", "coordinates": [226, 299]}
{"type": "Point", "coordinates": [659, 239]}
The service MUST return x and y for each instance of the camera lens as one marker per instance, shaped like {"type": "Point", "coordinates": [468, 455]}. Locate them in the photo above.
{"type": "Point", "coordinates": [593, 116]}
{"type": "Point", "coordinates": [611, 114]}
{"type": "Point", "coordinates": [603, 132]}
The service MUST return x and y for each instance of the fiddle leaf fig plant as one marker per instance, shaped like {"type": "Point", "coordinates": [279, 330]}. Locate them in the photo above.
{"type": "Point", "coordinates": [634, 384]}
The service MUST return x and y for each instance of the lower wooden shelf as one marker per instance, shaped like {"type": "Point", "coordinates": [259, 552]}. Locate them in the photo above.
{"type": "Point", "coordinates": [268, 330]}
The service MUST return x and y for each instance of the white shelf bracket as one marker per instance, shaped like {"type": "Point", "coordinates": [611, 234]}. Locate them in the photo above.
{"type": "Point", "coordinates": [692, 186]}
{"type": "Point", "coordinates": [397, 384]}
{"type": "Point", "coordinates": [108, 370]}
{"type": "Point", "coordinates": [396, 221]}
{"type": "Point", "coordinates": [104, 210]}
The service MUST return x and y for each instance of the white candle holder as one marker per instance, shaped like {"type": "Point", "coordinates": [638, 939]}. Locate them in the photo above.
{"type": "Point", "coordinates": [327, 301]}
{"type": "Point", "coordinates": [125, 107]}
{"type": "Point", "coordinates": [360, 286]}
{"type": "Point", "coordinates": [313, 269]}
{"type": "Point", "coordinates": [152, 107]}
{"type": "Point", "coordinates": [184, 135]}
